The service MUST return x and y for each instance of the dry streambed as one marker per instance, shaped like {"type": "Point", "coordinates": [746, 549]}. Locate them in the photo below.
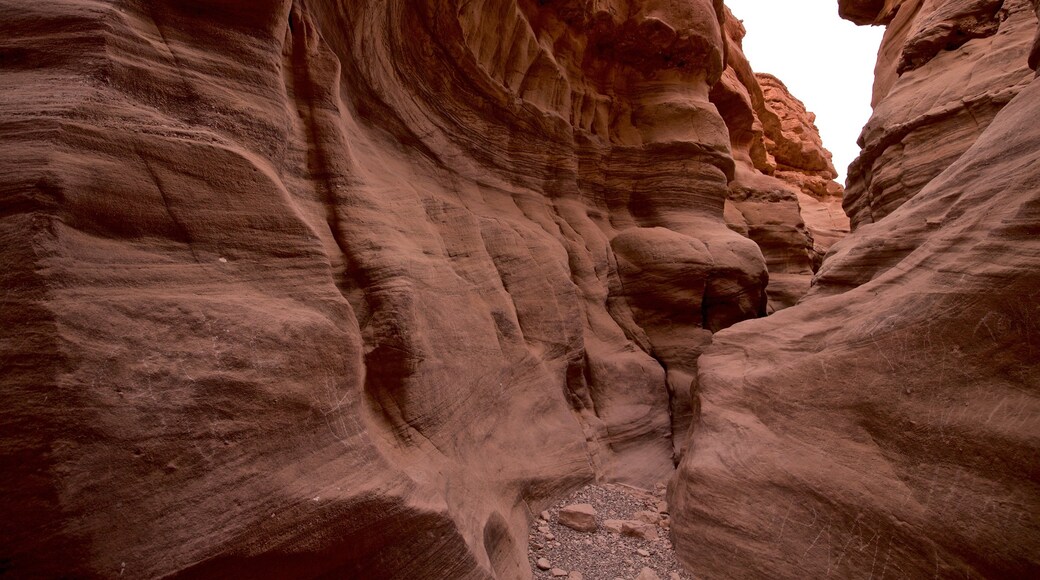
{"type": "Point", "coordinates": [605, 532]}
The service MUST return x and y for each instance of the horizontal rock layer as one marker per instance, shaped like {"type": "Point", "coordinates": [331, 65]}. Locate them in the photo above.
{"type": "Point", "coordinates": [945, 69]}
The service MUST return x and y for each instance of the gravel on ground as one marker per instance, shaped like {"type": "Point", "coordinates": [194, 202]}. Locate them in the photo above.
{"type": "Point", "coordinates": [602, 554]}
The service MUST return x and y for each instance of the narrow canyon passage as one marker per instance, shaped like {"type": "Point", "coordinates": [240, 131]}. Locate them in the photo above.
{"type": "Point", "coordinates": [359, 289]}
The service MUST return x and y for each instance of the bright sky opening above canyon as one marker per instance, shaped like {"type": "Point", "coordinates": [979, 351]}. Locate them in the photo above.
{"type": "Point", "coordinates": [826, 62]}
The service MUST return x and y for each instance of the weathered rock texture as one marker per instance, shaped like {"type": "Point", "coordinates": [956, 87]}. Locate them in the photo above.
{"type": "Point", "coordinates": [345, 288]}
{"type": "Point", "coordinates": [889, 424]}
{"type": "Point", "coordinates": [783, 195]}
{"type": "Point", "coordinates": [945, 69]}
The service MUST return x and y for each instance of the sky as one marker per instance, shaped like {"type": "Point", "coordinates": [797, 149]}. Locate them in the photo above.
{"type": "Point", "coordinates": [826, 62]}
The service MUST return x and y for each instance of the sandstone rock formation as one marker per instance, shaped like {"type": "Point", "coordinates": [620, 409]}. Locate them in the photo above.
{"type": "Point", "coordinates": [783, 195]}
{"type": "Point", "coordinates": [889, 424]}
{"type": "Point", "coordinates": [306, 288]}
{"type": "Point", "coordinates": [945, 69]}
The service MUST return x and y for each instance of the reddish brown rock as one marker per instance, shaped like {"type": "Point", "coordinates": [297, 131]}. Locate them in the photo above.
{"type": "Point", "coordinates": [887, 424]}
{"type": "Point", "coordinates": [580, 517]}
{"type": "Point", "coordinates": [793, 141]}
{"type": "Point", "coordinates": [782, 195]}
{"type": "Point", "coordinates": [639, 529]}
{"type": "Point", "coordinates": [945, 69]}
{"type": "Point", "coordinates": [335, 288]}
{"type": "Point", "coordinates": [947, 27]}
{"type": "Point", "coordinates": [862, 11]}
{"type": "Point", "coordinates": [648, 517]}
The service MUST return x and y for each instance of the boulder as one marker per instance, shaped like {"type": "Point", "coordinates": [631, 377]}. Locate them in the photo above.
{"type": "Point", "coordinates": [648, 517]}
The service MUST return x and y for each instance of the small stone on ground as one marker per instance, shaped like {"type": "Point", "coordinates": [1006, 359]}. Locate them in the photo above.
{"type": "Point", "coordinates": [606, 553]}
{"type": "Point", "coordinates": [580, 517]}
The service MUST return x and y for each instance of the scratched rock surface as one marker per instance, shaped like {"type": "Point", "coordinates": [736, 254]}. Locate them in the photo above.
{"type": "Point", "coordinates": [302, 288]}
{"type": "Point", "coordinates": [889, 424]}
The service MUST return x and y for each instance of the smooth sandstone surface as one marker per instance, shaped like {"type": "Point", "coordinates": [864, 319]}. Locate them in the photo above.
{"type": "Point", "coordinates": [888, 425]}
{"type": "Point", "coordinates": [328, 288]}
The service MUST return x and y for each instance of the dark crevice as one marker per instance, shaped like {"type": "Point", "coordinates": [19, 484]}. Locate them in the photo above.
{"type": "Point", "coordinates": [319, 164]}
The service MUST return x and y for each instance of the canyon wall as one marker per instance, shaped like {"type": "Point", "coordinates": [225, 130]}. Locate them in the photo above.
{"type": "Point", "coordinates": [945, 69]}
{"type": "Point", "coordinates": [782, 195]}
{"type": "Point", "coordinates": [889, 424]}
{"type": "Point", "coordinates": [345, 288]}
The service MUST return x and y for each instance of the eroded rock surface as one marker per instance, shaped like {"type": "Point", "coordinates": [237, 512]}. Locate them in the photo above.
{"type": "Point", "coordinates": [945, 69]}
{"type": "Point", "coordinates": [783, 195]}
{"type": "Point", "coordinates": [306, 288]}
{"type": "Point", "coordinates": [889, 424]}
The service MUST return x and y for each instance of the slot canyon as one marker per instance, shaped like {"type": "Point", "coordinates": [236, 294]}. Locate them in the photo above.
{"type": "Point", "coordinates": [359, 288]}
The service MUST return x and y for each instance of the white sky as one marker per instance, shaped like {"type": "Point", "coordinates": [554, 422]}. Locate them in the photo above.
{"type": "Point", "coordinates": [826, 62]}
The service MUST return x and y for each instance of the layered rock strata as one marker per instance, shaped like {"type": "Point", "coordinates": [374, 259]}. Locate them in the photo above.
{"type": "Point", "coordinates": [783, 195]}
{"type": "Point", "coordinates": [887, 425]}
{"type": "Point", "coordinates": [347, 288]}
{"type": "Point", "coordinates": [945, 69]}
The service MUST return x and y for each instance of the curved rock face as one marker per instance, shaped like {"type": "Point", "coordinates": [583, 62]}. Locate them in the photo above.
{"type": "Point", "coordinates": [783, 195]}
{"type": "Point", "coordinates": [945, 69]}
{"type": "Point", "coordinates": [887, 425]}
{"type": "Point", "coordinates": [343, 288]}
